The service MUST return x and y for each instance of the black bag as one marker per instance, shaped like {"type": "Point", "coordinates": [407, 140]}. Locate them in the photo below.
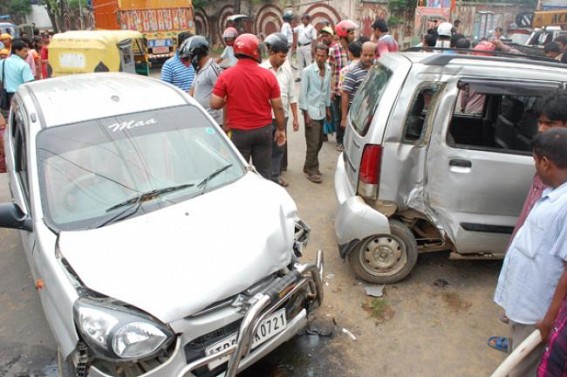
{"type": "Point", "coordinates": [4, 98]}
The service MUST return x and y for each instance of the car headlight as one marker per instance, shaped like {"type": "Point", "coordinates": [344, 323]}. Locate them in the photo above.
{"type": "Point", "coordinates": [117, 332]}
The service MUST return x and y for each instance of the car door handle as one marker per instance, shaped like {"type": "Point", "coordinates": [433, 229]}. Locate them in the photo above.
{"type": "Point", "coordinates": [460, 163]}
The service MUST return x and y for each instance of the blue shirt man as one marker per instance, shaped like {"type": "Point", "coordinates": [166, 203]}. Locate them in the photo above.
{"type": "Point", "coordinates": [14, 68]}
{"type": "Point", "coordinates": [177, 72]}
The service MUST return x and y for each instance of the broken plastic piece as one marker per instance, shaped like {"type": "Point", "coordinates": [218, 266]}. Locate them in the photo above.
{"type": "Point", "coordinates": [351, 335]}
{"type": "Point", "coordinates": [374, 290]}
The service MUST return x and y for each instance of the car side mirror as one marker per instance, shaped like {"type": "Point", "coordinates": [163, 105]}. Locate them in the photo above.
{"type": "Point", "coordinates": [12, 217]}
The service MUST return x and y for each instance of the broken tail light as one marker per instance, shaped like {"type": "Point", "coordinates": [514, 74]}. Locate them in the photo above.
{"type": "Point", "coordinates": [369, 172]}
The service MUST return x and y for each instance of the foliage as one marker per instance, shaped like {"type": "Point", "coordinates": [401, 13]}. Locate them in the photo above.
{"type": "Point", "coordinates": [400, 6]}
{"type": "Point", "coordinates": [74, 5]}
{"type": "Point", "coordinates": [17, 9]}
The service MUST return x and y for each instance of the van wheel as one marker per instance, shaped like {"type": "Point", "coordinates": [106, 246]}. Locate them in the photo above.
{"type": "Point", "coordinates": [385, 259]}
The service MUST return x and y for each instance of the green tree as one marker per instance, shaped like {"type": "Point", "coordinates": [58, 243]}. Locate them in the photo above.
{"type": "Point", "coordinates": [17, 9]}
{"type": "Point", "coordinates": [54, 12]}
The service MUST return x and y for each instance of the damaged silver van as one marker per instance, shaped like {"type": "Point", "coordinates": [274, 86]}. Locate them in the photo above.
{"type": "Point", "coordinates": [437, 156]}
{"type": "Point", "coordinates": [157, 249]}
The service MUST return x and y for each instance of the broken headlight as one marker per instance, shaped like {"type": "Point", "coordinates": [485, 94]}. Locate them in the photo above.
{"type": "Point", "coordinates": [301, 237]}
{"type": "Point", "coordinates": [116, 332]}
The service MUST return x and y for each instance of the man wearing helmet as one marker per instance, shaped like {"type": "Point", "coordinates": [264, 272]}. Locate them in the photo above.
{"type": "Point", "coordinates": [227, 58]}
{"type": "Point", "coordinates": [444, 34]}
{"type": "Point", "coordinates": [287, 29]}
{"type": "Point", "coordinates": [306, 34]}
{"type": "Point", "coordinates": [177, 70]}
{"type": "Point", "coordinates": [197, 48]}
{"type": "Point", "coordinates": [250, 93]}
{"type": "Point", "coordinates": [338, 58]}
{"type": "Point", "coordinates": [278, 48]}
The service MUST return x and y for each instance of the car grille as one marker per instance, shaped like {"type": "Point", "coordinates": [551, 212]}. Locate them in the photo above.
{"type": "Point", "coordinates": [196, 348]}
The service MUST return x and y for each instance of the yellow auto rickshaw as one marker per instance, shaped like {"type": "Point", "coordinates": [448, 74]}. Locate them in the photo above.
{"type": "Point", "coordinates": [83, 51]}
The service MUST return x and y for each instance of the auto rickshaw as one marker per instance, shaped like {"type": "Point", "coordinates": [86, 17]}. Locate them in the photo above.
{"type": "Point", "coordinates": [83, 51]}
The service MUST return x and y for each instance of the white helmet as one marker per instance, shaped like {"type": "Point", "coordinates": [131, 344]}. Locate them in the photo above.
{"type": "Point", "coordinates": [445, 29]}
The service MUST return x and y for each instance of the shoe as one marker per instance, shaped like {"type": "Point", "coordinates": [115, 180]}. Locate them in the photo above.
{"type": "Point", "coordinates": [499, 343]}
{"type": "Point", "coordinates": [325, 137]}
{"type": "Point", "coordinates": [315, 178]}
{"type": "Point", "coordinates": [297, 79]}
{"type": "Point", "coordinates": [340, 148]}
{"type": "Point", "coordinates": [282, 183]}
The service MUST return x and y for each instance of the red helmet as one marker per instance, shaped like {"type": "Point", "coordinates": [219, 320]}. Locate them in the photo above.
{"type": "Point", "coordinates": [343, 27]}
{"type": "Point", "coordinates": [247, 45]}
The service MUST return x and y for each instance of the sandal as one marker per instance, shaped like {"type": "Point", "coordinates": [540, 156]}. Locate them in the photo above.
{"type": "Point", "coordinates": [503, 318]}
{"type": "Point", "coordinates": [315, 178]}
{"type": "Point", "coordinates": [499, 343]}
{"type": "Point", "coordinates": [282, 183]}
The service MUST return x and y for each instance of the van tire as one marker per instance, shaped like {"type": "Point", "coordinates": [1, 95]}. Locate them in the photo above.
{"type": "Point", "coordinates": [385, 258]}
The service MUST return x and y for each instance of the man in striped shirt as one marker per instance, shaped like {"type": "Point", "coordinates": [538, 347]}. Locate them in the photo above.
{"type": "Point", "coordinates": [177, 71]}
{"type": "Point", "coordinates": [354, 77]}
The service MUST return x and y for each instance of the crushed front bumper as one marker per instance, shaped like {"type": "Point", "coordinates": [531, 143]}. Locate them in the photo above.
{"type": "Point", "coordinates": [303, 282]}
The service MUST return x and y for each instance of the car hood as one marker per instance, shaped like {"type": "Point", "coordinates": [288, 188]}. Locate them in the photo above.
{"type": "Point", "coordinates": [176, 261]}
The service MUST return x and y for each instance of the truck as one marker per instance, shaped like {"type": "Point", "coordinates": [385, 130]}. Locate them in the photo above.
{"type": "Point", "coordinates": [160, 21]}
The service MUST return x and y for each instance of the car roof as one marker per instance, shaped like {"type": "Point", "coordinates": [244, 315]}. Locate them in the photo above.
{"type": "Point", "coordinates": [76, 98]}
{"type": "Point", "coordinates": [485, 64]}
{"type": "Point", "coordinates": [99, 39]}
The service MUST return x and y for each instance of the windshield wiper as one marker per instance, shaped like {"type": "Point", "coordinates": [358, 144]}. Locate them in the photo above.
{"type": "Point", "coordinates": [205, 181]}
{"type": "Point", "coordinates": [149, 195]}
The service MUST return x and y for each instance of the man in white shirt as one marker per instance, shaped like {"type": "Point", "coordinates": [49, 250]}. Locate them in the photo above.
{"type": "Point", "coordinates": [287, 30]}
{"type": "Point", "coordinates": [278, 49]}
{"type": "Point", "coordinates": [306, 35]}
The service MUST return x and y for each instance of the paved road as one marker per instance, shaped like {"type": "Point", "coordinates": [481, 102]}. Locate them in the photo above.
{"type": "Point", "coordinates": [435, 323]}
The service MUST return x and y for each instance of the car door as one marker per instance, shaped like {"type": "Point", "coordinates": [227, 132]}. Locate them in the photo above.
{"type": "Point", "coordinates": [479, 164]}
{"type": "Point", "coordinates": [19, 154]}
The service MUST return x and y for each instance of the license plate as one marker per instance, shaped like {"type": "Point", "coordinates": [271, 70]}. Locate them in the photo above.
{"type": "Point", "coordinates": [160, 50]}
{"type": "Point", "coordinates": [270, 326]}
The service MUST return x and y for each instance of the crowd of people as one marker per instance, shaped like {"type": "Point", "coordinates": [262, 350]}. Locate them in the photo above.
{"type": "Point", "coordinates": [22, 60]}
{"type": "Point", "coordinates": [253, 99]}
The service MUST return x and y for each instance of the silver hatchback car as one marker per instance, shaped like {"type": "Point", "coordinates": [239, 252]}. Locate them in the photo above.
{"type": "Point", "coordinates": [157, 249]}
{"type": "Point", "coordinates": [437, 157]}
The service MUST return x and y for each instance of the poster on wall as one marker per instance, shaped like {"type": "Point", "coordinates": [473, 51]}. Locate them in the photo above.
{"type": "Point", "coordinates": [425, 17]}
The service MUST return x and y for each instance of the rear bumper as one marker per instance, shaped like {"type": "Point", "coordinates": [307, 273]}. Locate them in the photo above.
{"type": "Point", "coordinates": [355, 220]}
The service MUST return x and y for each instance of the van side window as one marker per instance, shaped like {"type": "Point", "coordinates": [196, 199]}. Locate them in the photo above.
{"type": "Point", "coordinates": [496, 116]}
{"type": "Point", "coordinates": [418, 110]}
{"type": "Point", "coordinates": [368, 97]}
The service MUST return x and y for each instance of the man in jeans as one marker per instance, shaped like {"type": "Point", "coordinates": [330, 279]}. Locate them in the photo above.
{"type": "Point", "coordinates": [278, 49]}
{"type": "Point", "coordinates": [315, 102]}
{"type": "Point", "coordinates": [250, 93]}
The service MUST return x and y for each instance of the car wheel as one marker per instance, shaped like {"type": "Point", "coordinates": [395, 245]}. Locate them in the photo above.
{"type": "Point", "coordinates": [385, 258]}
{"type": "Point", "coordinates": [64, 367]}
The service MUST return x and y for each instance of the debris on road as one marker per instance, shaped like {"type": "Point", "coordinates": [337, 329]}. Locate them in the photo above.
{"type": "Point", "coordinates": [374, 290]}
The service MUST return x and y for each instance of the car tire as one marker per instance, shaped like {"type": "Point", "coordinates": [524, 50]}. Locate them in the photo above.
{"type": "Point", "coordinates": [385, 258]}
{"type": "Point", "coordinates": [64, 367]}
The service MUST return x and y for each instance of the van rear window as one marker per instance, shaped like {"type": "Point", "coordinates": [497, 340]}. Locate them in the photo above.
{"type": "Point", "coordinates": [368, 97]}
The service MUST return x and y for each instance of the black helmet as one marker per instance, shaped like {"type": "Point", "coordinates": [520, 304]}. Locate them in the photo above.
{"type": "Point", "coordinates": [276, 39]}
{"type": "Point", "coordinates": [287, 16]}
{"type": "Point", "coordinates": [194, 49]}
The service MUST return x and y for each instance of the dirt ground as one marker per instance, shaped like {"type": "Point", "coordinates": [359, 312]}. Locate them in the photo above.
{"type": "Point", "coordinates": [434, 323]}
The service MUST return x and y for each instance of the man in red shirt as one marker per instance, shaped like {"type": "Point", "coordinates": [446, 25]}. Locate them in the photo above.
{"type": "Point", "coordinates": [249, 93]}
